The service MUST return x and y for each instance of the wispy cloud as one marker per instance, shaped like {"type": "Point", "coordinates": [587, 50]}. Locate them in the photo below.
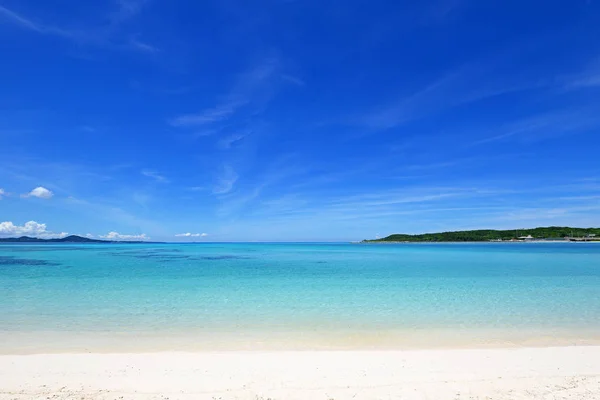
{"type": "Point", "coordinates": [2, 193]}
{"type": "Point", "coordinates": [141, 198]}
{"type": "Point", "coordinates": [145, 47]}
{"type": "Point", "coordinates": [101, 34]}
{"type": "Point", "coordinates": [439, 11]}
{"type": "Point", "coordinates": [537, 215]}
{"type": "Point", "coordinates": [225, 180]}
{"type": "Point", "coordinates": [588, 78]}
{"type": "Point", "coordinates": [13, 17]}
{"type": "Point", "coordinates": [471, 83]}
{"type": "Point", "coordinates": [585, 82]}
{"type": "Point", "coordinates": [110, 212]}
{"type": "Point", "coordinates": [545, 125]}
{"type": "Point", "coordinates": [154, 175]}
{"type": "Point", "coordinates": [231, 205]}
{"type": "Point", "coordinates": [126, 9]}
{"type": "Point", "coordinates": [435, 165]}
{"type": "Point", "coordinates": [276, 177]}
{"type": "Point", "coordinates": [26, 23]}
{"type": "Point", "coordinates": [581, 198]}
{"type": "Point", "coordinates": [229, 141]}
{"type": "Point", "coordinates": [203, 133]}
{"type": "Point", "coordinates": [420, 208]}
{"type": "Point", "coordinates": [467, 85]}
{"type": "Point", "coordinates": [249, 86]}
{"type": "Point", "coordinates": [406, 196]}
{"type": "Point", "coordinates": [198, 188]}
{"type": "Point", "coordinates": [293, 79]}
{"type": "Point", "coordinates": [88, 129]}
{"type": "Point", "coordinates": [333, 206]}
{"type": "Point", "coordinates": [210, 115]}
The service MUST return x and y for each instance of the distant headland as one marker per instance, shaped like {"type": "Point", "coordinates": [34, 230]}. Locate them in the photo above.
{"type": "Point", "coordinates": [552, 233]}
{"type": "Point", "coordinates": [66, 239]}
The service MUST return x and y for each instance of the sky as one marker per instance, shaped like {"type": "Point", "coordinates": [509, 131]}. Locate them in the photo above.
{"type": "Point", "coordinates": [305, 120]}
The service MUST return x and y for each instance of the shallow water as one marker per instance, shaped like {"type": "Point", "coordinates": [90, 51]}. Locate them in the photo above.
{"type": "Point", "coordinates": [219, 296]}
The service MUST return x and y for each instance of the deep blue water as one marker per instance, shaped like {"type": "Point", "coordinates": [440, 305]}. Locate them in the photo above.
{"type": "Point", "coordinates": [224, 288]}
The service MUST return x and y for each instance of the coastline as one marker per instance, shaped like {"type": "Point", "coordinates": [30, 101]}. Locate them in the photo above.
{"type": "Point", "coordinates": [313, 322]}
{"type": "Point", "coordinates": [48, 342]}
{"type": "Point", "coordinates": [524, 373]}
{"type": "Point", "coordinates": [478, 241]}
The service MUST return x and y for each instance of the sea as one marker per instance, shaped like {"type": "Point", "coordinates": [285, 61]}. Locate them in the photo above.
{"type": "Point", "coordinates": [300, 296]}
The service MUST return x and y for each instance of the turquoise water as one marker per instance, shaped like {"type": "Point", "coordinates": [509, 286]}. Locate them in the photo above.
{"type": "Point", "coordinates": [176, 296]}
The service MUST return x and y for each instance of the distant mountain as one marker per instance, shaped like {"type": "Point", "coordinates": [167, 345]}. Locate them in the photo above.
{"type": "Point", "coordinates": [486, 235]}
{"type": "Point", "coordinates": [67, 239]}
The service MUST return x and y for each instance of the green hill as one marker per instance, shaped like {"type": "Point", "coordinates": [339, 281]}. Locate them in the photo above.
{"type": "Point", "coordinates": [484, 235]}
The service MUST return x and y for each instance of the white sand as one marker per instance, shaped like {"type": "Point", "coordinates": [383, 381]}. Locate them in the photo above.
{"type": "Point", "coordinates": [528, 373]}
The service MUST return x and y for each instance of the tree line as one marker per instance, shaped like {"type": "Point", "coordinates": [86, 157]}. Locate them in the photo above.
{"type": "Point", "coordinates": [482, 235]}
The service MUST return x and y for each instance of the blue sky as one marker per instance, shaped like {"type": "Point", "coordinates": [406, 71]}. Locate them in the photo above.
{"type": "Point", "coordinates": [270, 120]}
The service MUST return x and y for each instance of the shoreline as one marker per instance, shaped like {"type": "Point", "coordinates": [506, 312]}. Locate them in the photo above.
{"type": "Point", "coordinates": [532, 373]}
{"type": "Point", "coordinates": [477, 241]}
{"type": "Point", "coordinates": [32, 343]}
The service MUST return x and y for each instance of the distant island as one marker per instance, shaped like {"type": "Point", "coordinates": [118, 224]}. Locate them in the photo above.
{"type": "Point", "coordinates": [67, 239]}
{"type": "Point", "coordinates": [552, 233]}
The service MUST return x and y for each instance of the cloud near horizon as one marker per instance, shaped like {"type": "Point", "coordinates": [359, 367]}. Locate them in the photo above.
{"type": "Point", "coordinates": [118, 236]}
{"type": "Point", "coordinates": [188, 234]}
{"type": "Point", "coordinates": [31, 228]}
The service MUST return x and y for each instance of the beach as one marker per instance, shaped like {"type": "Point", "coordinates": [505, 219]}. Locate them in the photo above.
{"type": "Point", "coordinates": [523, 373]}
{"type": "Point", "coordinates": [300, 321]}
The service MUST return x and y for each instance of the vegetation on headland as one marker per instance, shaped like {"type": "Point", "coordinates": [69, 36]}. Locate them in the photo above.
{"type": "Point", "coordinates": [486, 235]}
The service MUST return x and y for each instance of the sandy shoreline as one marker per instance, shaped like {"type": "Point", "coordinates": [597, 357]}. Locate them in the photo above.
{"type": "Point", "coordinates": [198, 341]}
{"type": "Point", "coordinates": [517, 373]}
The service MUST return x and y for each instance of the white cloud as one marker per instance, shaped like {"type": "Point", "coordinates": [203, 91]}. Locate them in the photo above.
{"type": "Point", "coordinates": [118, 236]}
{"type": "Point", "coordinates": [191, 234]}
{"type": "Point", "coordinates": [2, 193]}
{"type": "Point", "coordinates": [30, 228]}
{"type": "Point", "coordinates": [40, 192]}
{"type": "Point", "coordinates": [154, 175]}
{"type": "Point", "coordinates": [89, 235]}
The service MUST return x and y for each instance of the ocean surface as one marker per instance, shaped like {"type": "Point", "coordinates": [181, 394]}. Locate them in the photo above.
{"type": "Point", "coordinates": [185, 297]}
